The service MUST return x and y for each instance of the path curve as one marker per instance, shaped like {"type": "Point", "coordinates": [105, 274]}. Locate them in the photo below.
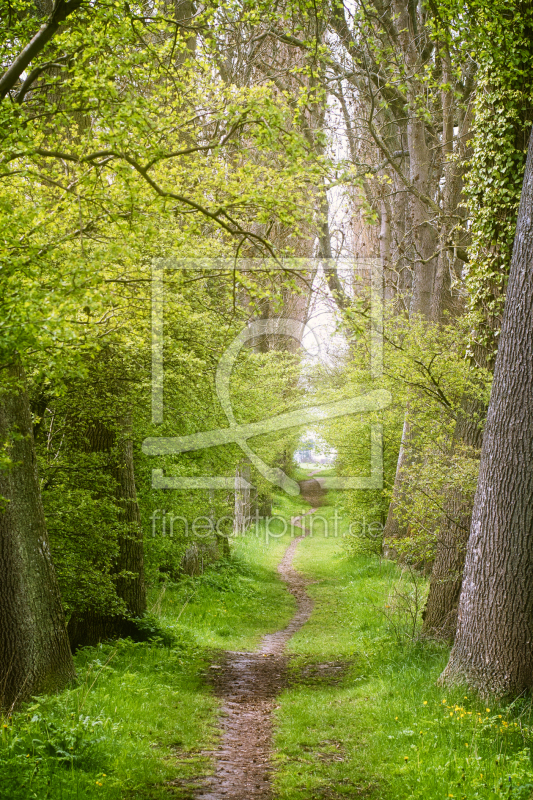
{"type": "Point", "coordinates": [248, 684]}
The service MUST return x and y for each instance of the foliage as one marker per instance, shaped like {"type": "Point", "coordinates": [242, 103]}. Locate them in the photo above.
{"type": "Point", "coordinates": [78, 487]}
{"type": "Point", "coordinates": [233, 600]}
{"type": "Point", "coordinates": [498, 38]}
{"type": "Point", "coordinates": [117, 732]}
{"type": "Point", "coordinates": [126, 144]}
{"type": "Point", "coordinates": [83, 533]}
{"type": "Point", "coordinates": [427, 371]}
{"type": "Point", "coordinates": [150, 629]}
{"type": "Point", "coordinates": [405, 604]}
{"type": "Point", "coordinates": [429, 366]}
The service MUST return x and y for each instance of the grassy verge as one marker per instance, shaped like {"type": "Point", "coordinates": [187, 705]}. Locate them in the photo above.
{"type": "Point", "coordinates": [304, 471]}
{"type": "Point", "coordinates": [121, 733]}
{"type": "Point", "coordinates": [138, 720]}
{"type": "Point", "coordinates": [235, 603]}
{"type": "Point", "coordinates": [385, 730]}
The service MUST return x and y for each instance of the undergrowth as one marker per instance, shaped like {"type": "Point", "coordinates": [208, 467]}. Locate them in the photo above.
{"type": "Point", "coordinates": [362, 716]}
{"type": "Point", "coordinates": [385, 729]}
{"type": "Point", "coordinates": [237, 601]}
{"type": "Point", "coordinates": [118, 733]}
{"type": "Point", "coordinates": [140, 715]}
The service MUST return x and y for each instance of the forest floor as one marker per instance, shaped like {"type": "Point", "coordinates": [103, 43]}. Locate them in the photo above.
{"type": "Point", "coordinates": [248, 684]}
{"type": "Point", "coordinates": [330, 689]}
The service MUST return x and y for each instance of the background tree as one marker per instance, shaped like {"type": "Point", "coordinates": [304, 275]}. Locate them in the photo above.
{"type": "Point", "coordinates": [104, 158]}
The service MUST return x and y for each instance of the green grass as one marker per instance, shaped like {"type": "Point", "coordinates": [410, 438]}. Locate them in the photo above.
{"type": "Point", "coordinates": [141, 714]}
{"type": "Point", "coordinates": [121, 733]}
{"type": "Point", "coordinates": [235, 603]}
{"type": "Point", "coordinates": [386, 730]}
{"type": "Point", "coordinates": [302, 472]}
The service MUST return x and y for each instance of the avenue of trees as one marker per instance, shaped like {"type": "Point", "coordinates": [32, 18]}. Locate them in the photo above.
{"type": "Point", "coordinates": [171, 132]}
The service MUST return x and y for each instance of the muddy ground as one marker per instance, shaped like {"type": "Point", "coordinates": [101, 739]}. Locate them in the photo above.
{"type": "Point", "coordinates": [248, 684]}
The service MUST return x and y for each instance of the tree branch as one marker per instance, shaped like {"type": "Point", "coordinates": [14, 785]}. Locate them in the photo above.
{"type": "Point", "coordinates": [34, 74]}
{"type": "Point", "coordinates": [61, 10]}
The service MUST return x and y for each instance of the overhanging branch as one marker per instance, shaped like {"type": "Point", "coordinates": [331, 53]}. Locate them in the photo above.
{"type": "Point", "coordinates": [61, 10]}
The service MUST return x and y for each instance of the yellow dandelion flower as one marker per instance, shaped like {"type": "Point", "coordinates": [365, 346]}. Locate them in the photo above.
{"type": "Point", "coordinates": [487, 710]}
{"type": "Point", "coordinates": [406, 758]}
{"type": "Point", "coordinates": [425, 702]}
{"type": "Point", "coordinates": [466, 744]}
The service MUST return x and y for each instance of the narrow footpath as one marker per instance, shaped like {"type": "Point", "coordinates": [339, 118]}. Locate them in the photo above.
{"type": "Point", "coordinates": [248, 684]}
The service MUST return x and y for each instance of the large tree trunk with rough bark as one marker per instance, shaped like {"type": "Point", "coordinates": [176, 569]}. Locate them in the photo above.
{"type": "Point", "coordinates": [493, 647]}
{"type": "Point", "coordinates": [34, 650]}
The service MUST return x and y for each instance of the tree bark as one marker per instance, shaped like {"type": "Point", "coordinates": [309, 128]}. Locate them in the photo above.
{"type": "Point", "coordinates": [131, 546]}
{"type": "Point", "coordinates": [423, 233]}
{"type": "Point", "coordinates": [393, 528]}
{"type": "Point", "coordinates": [242, 509]}
{"type": "Point", "coordinates": [60, 11]}
{"type": "Point", "coordinates": [423, 246]}
{"type": "Point", "coordinates": [440, 613]}
{"type": "Point", "coordinates": [34, 650]}
{"type": "Point", "coordinates": [493, 648]}
{"type": "Point", "coordinates": [89, 628]}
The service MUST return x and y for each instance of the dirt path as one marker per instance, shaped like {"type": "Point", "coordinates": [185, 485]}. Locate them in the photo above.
{"type": "Point", "coordinates": [248, 684]}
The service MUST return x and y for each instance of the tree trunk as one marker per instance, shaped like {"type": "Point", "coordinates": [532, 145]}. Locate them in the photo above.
{"type": "Point", "coordinates": [434, 262]}
{"type": "Point", "coordinates": [493, 648]}
{"type": "Point", "coordinates": [423, 247]}
{"type": "Point", "coordinates": [385, 252]}
{"type": "Point", "coordinates": [131, 589]}
{"type": "Point", "coordinates": [243, 500]}
{"type": "Point", "coordinates": [422, 175]}
{"type": "Point", "coordinates": [34, 650]}
{"type": "Point", "coordinates": [393, 528]}
{"type": "Point", "coordinates": [89, 628]}
{"type": "Point", "coordinates": [440, 613]}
